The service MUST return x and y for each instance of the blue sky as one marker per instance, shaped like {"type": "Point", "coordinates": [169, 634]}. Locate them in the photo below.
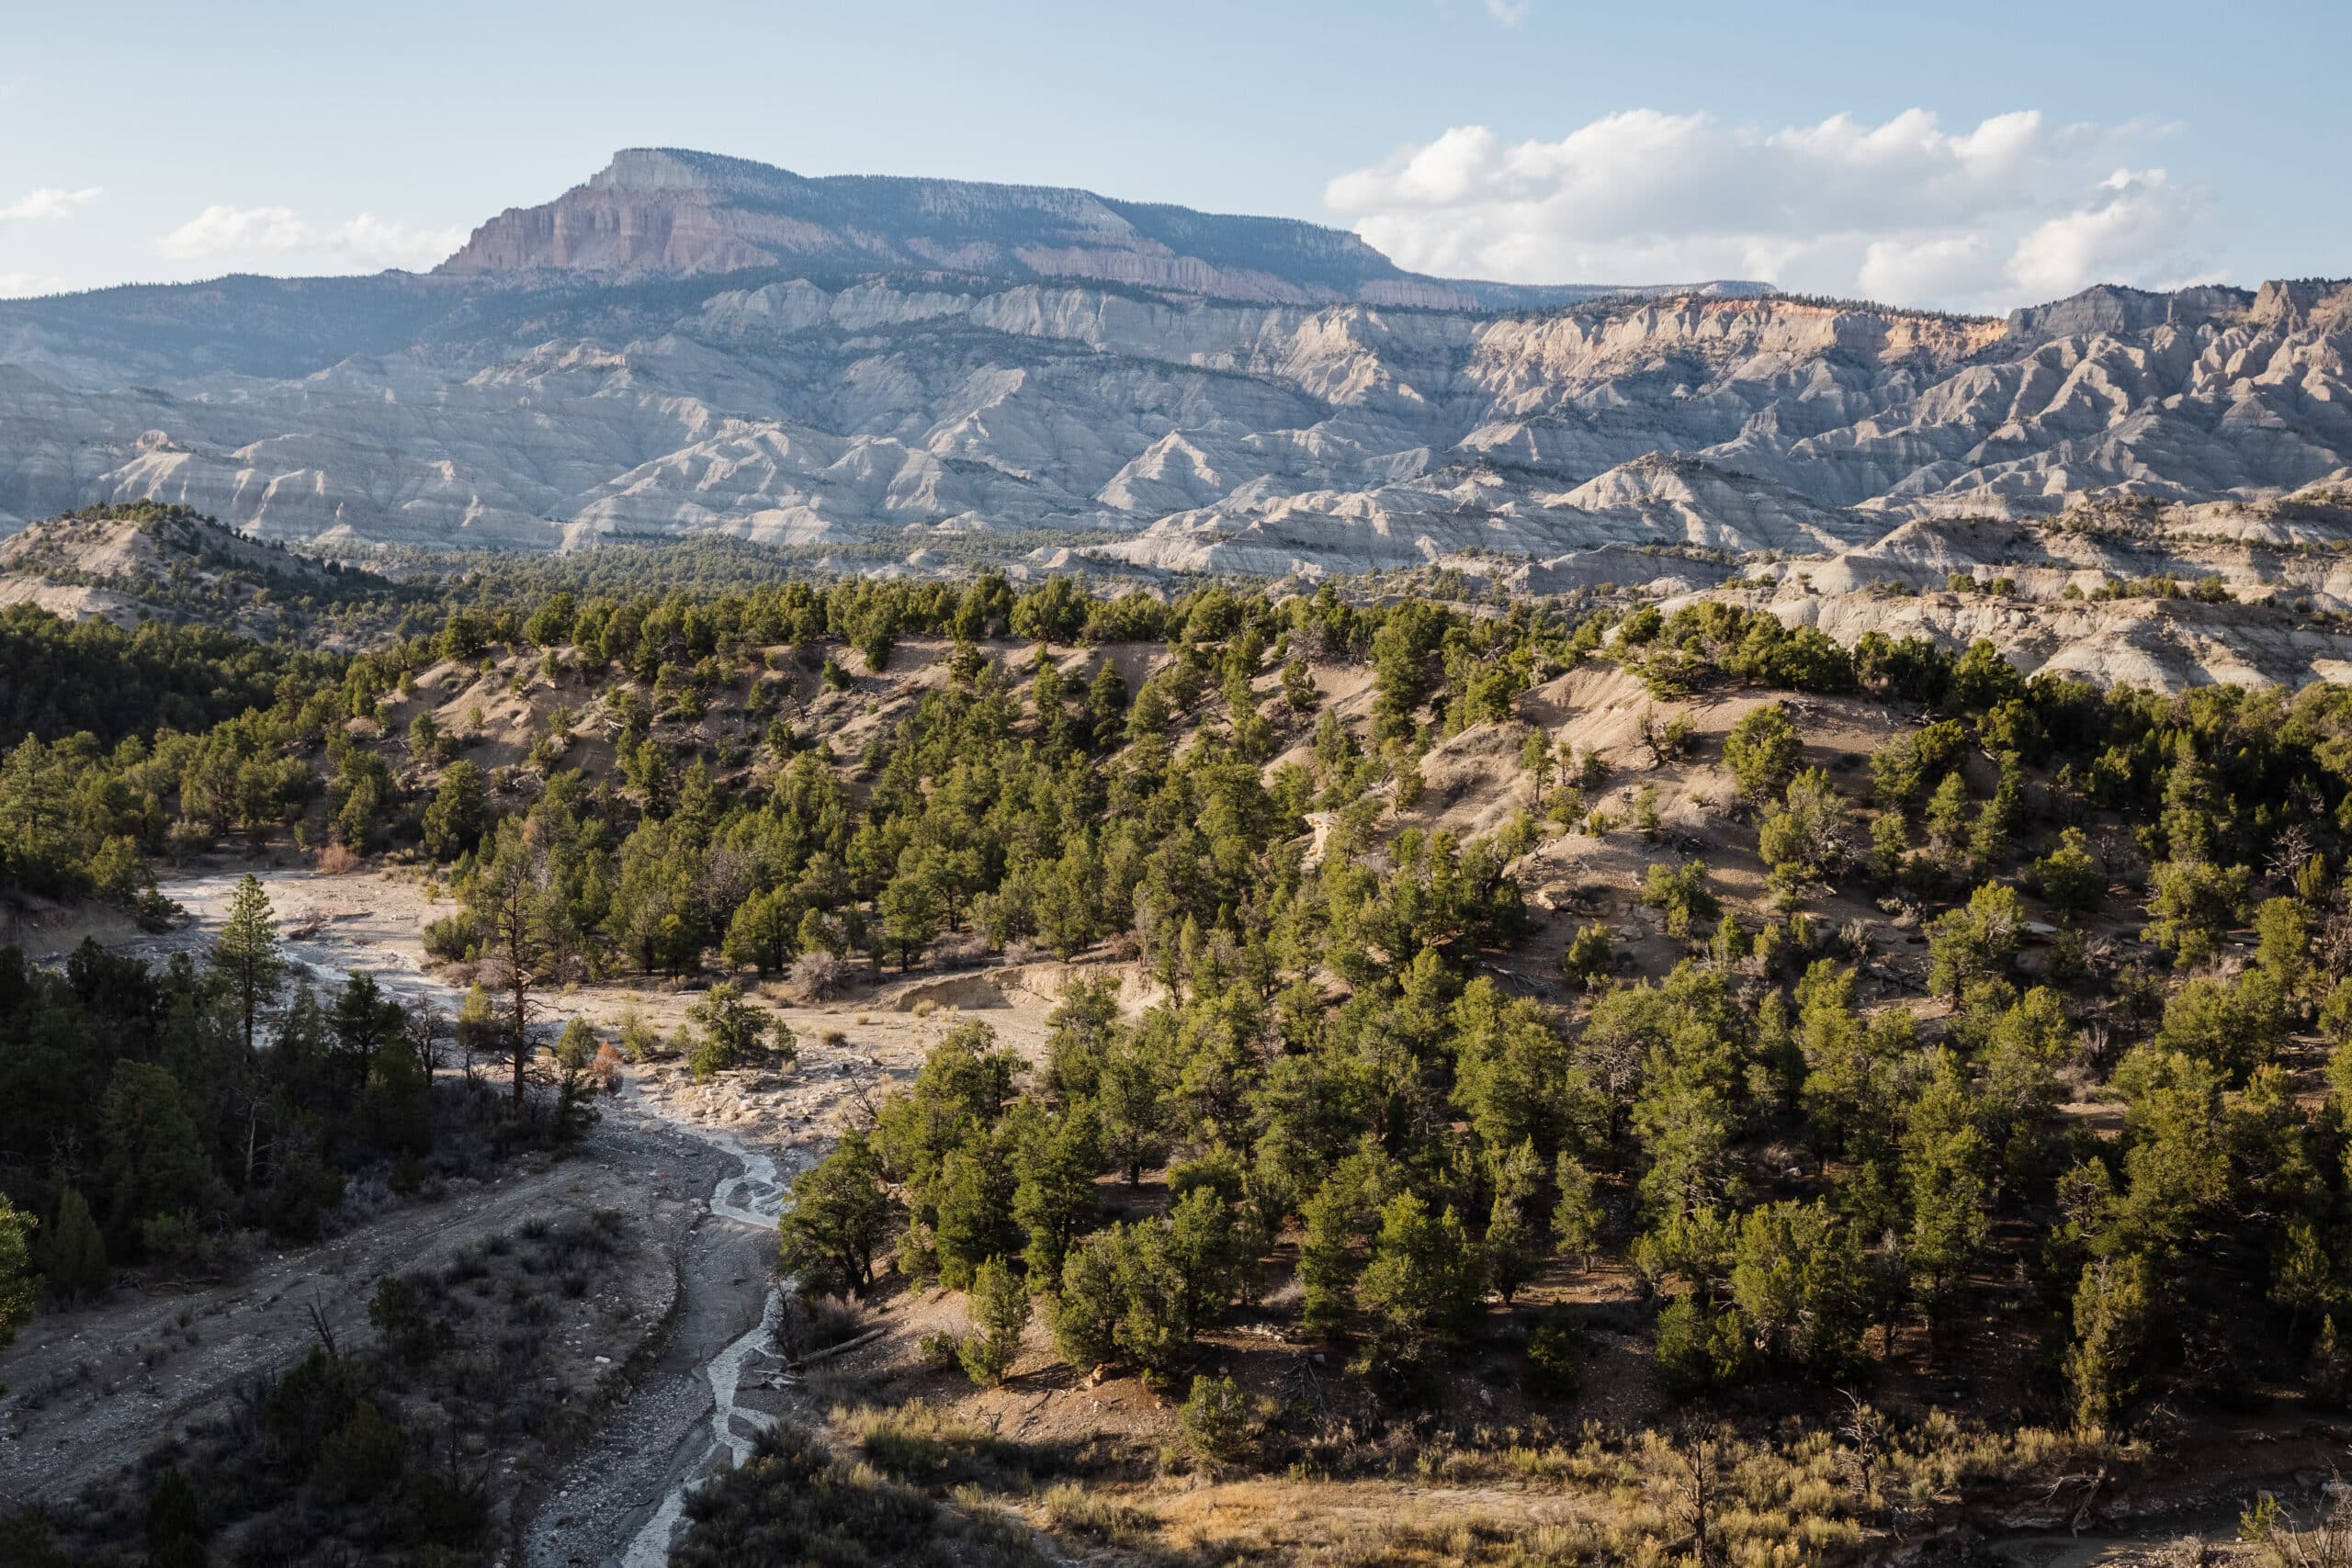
{"type": "Point", "coordinates": [1975, 156]}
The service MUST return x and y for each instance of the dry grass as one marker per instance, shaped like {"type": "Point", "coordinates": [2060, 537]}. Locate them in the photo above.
{"type": "Point", "coordinates": [1815, 1498]}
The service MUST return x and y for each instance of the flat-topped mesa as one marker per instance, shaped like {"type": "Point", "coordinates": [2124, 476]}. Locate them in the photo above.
{"type": "Point", "coordinates": [675, 211]}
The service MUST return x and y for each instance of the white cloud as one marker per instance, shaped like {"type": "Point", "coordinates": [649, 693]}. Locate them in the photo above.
{"type": "Point", "coordinates": [2014, 210]}
{"type": "Point", "coordinates": [49, 203]}
{"type": "Point", "coordinates": [1510, 13]}
{"type": "Point", "coordinates": [25, 285]}
{"type": "Point", "coordinates": [2135, 213]}
{"type": "Point", "coordinates": [278, 233]}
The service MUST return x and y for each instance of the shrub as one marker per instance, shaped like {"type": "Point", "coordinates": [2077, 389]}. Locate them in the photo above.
{"type": "Point", "coordinates": [1700, 1351]}
{"type": "Point", "coordinates": [1555, 1351]}
{"type": "Point", "coordinates": [1216, 1422]}
{"type": "Point", "coordinates": [1589, 957]}
{"type": "Point", "coordinates": [2069, 877]}
{"type": "Point", "coordinates": [1680, 893]}
{"type": "Point", "coordinates": [452, 938]}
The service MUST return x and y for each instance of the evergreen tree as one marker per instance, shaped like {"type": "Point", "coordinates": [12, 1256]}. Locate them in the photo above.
{"type": "Point", "coordinates": [17, 1284]}
{"type": "Point", "coordinates": [1763, 751]}
{"type": "Point", "coordinates": [1577, 1215]}
{"type": "Point", "coordinates": [246, 955]}
{"type": "Point", "coordinates": [153, 1160]}
{"type": "Point", "coordinates": [2113, 1313]}
{"type": "Point", "coordinates": [1425, 1276]}
{"type": "Point", "coordinates": [839, 1217]}
{"type": "Point", "coordinates": [997, 1310]}
{"type": "Point", "coordinates": [1512, 1252]}
{"type": "Point", "coordinates": [1054, 1201]}
{"type": "Point", "coordinates": [70, 1251]}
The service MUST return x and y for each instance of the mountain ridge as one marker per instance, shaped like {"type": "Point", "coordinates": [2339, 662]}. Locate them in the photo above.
{"type": "Point", "coordinates": [685, 212]}
{"type": "Point", "coordinates": [883, 409]}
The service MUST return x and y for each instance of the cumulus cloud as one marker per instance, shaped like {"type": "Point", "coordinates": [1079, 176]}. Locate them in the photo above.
{"type": "Point", "coordinates": [277, 232]}
{"type": "Point", "coordinates": [1510, 13]}
{"type": "Point", "coordinates": [2016, 209]}
{"type": "Point", "coordinates": [26, 284]}
{"type": "Point", "coordinates": [49, 203]}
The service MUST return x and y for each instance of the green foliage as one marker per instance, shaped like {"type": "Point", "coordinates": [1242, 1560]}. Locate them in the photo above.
{"type": "Point", "coordinates": [1140, 1292]}
{"type": "Point", "coordinates": [1763, 751]}
{"type": "Point", "coordinates": [246, 954]}
{"type": "Point", "coordinates": [1701, 1349]}
{"type": "Point", "coordinates": [1900, 769]}
{"type": "Point", "coordinates": [1425, 1277]}
{"type": "Point", "coordinates": [2233, 1027]}
{"type": "Point", "coordinates": [1555, 1351]}
{"type": "Point", "coordinates": [1803, 841]}
{"type": "Point", "coordinates": [840, 1218]}
{"type": "Point", "coordinates": [17, 1287]}
{"type": "Point", "coordinates": [2192, 902]}
{"type": "Point", "coordinates": [1589, 957]}
{"type": "Point", "coordinates": [456, 817]}
{"type": "Point", "coordinates": [1679, 893]}
{"type": "Point", "coordinates": [71, 1250]}
{"type": "Point", "coordinates": [2113, 1318]}
{"type": "Point", "coordinates": [733, 1031]}
{"type": "Point", "coordinates": [1215, 1421]}
{"type": "Point", "coordinates": [2071, 879]}
{"type": "Point", "coordinates": [1980, 942]}
{"type": "Point", "coordinates": [997, 1310]}
{"type": "Point", "coordinates": [1797, 1275]}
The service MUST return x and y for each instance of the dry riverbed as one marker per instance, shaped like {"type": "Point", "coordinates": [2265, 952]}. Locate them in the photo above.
{"type": "Point", "coordinates": [672, 1356]}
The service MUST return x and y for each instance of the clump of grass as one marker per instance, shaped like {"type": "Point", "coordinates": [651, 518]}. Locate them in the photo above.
{"type": "Point", "coordinates": [921, 1444]}
{"type": "Point", "coordinates": [1072, 1509]}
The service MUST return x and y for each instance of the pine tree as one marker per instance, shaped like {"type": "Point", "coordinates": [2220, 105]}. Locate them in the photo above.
{"type": "Point", "coordinates": [1576, 1216]}
{"type": "Point", "coordinates": [1511, 1249]}
{"type": "Point", "coordinates": [1215, 1421]}
{"type": "Point", "coordinates": [839, 1217]}
{"type": "Point", "coordinates": [1424, 1276]}
{"type": "Point", "coordinates": [2112, 1308]}
{"type": "Point", "coordinates": [997, 1310]}
{"type": "Point", "coordinates": [70, 1251]}
{"type": "Point", "coordinates": [247, 952]}
{"type": "Point", "coordinates": [510, 897]}
{"type": "Point", "coordinates": [1762, 751]}
{"type": "Point", "coordinates": [1327, 1264]}
{"type": "Point", "coordinates": [1944, 1159]}
{"type": "Point", "coordinates": [1055, 1199]}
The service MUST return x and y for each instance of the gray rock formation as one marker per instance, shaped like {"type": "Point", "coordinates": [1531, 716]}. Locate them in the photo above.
{"type": "Point", "coordinates": [689, 344]}
{"type": "Point", "coordinates": [670, 210]}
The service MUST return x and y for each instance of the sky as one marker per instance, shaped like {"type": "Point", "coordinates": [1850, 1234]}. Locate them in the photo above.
{"type": "Point", "coordinates": [1969, 157]}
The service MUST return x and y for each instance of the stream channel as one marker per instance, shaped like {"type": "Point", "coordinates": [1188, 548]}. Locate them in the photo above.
{"type": "Point", "coordinates": [625, 1500]}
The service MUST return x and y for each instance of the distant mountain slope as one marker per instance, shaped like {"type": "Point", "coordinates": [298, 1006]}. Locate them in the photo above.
{"type": "Point", "coordinates": [670, 210]}
{"type": "Point", "coordinates": [883, 389]}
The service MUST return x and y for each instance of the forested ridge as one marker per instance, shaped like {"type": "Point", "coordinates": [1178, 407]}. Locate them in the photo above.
{"type": "Point", "coordinates": [2116, 1105]}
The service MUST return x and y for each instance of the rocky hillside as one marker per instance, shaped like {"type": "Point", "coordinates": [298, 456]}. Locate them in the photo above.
{"type": "Point", "coordinates": [690, 344]}
{"type": "Point", "coordinates": [143, 561]}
